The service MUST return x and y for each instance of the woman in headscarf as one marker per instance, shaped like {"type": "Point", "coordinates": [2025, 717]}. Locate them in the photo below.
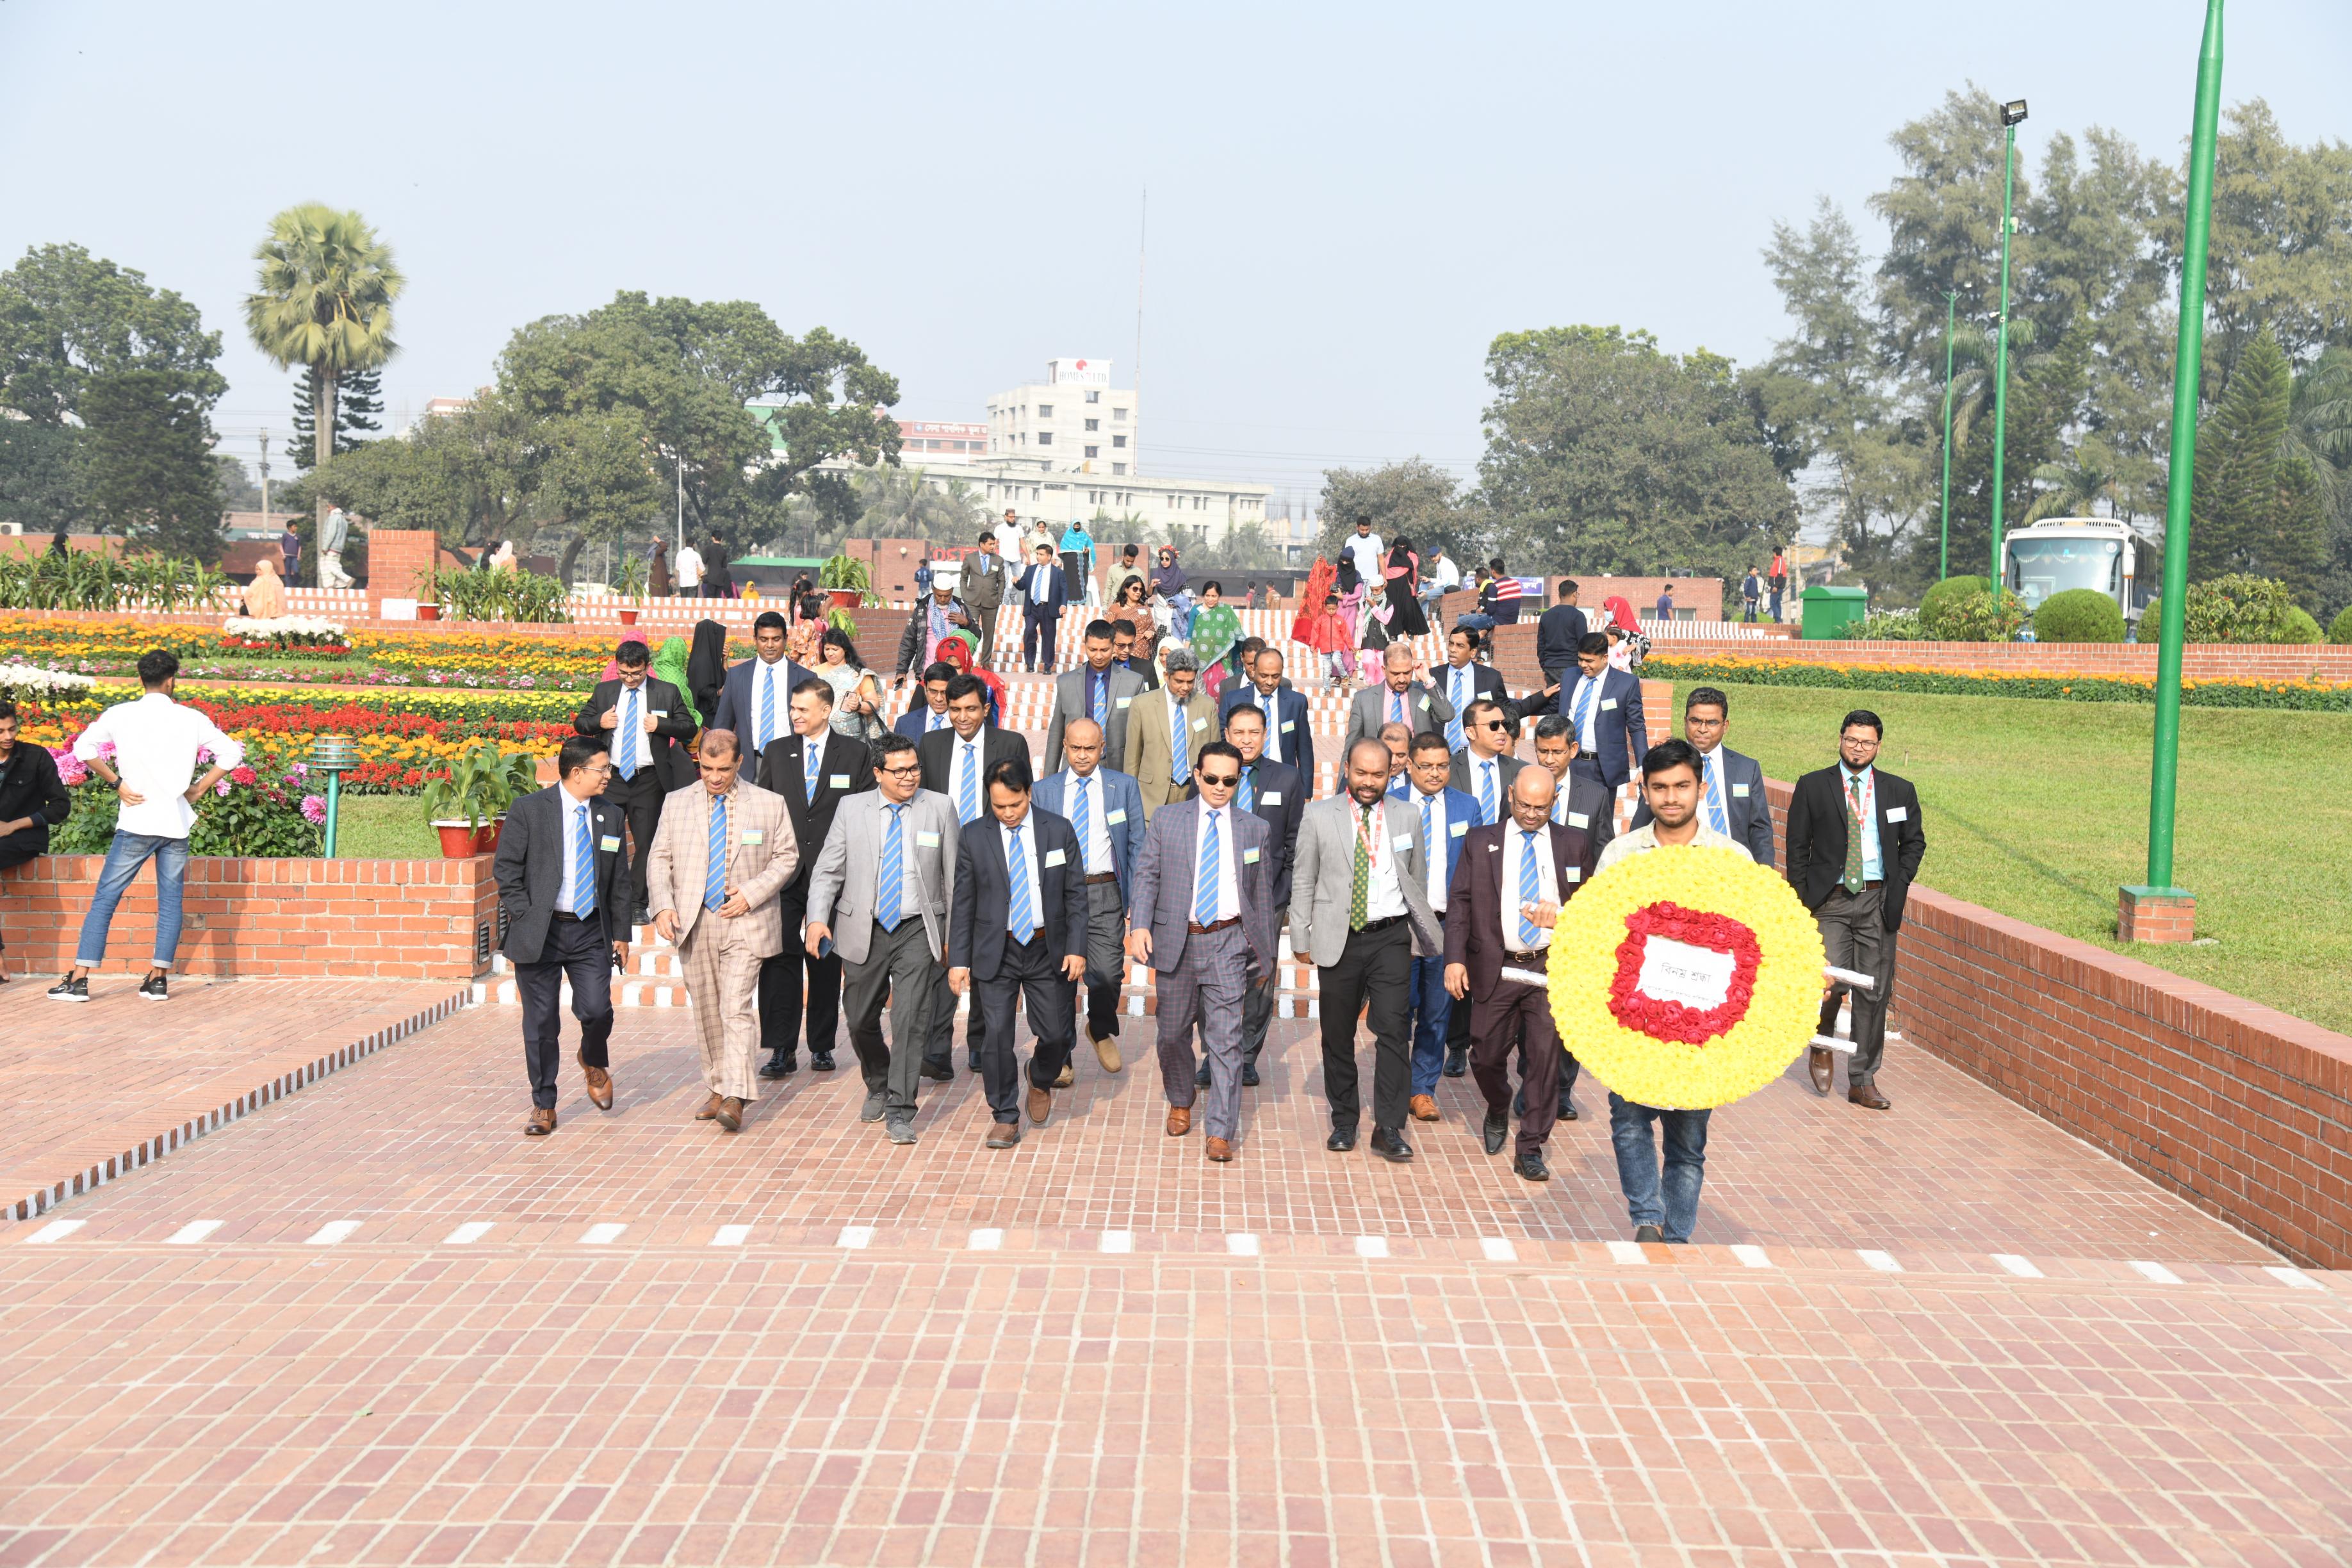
{"type": "Point", "coordinates": [1216, 627]}
{"type": "Point", "coordinates": [657, 569]}
{"type": "Point", "coordinates": [706, 667]}
{"type": "Point", "coordinates": [1173, 589]}
{"type": "Point", "coordinates": [1406, 618]}
{"type": "Point", "coordinates": [504, 561]}
{"type": "Point", "coordinates": [669, 664]}
{"type": "Point", "coordinates": [857, 693]}
{"type": "Point", "coordinates": [1627, 646]}
{"type": "Point", "coordinates": [960, 648]}
{"type": "Point", "coordinates": [266, 599]}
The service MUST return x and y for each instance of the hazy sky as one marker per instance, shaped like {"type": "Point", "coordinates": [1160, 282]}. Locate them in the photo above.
{"type": "Point", "coordinates": [1347, 202]}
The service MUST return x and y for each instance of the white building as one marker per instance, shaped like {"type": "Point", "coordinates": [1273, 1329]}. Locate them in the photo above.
{"type": "Point", "coordinates": [1073, 420]}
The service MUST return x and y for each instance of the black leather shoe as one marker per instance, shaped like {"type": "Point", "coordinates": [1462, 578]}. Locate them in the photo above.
{"type": "Point", "coordinates": [776, 1066]}
{"type": "Point", "coordinates": [938, 1074]}
{"type": "Point", "coordinates": [1567, 1110]}
{"type": "Point", "coordinates": [1390, 1146]}
{"type": "Point", "coordinates": [1201, 1079]}
{"type": "Point", "coordinates": [1529, 1167]}
{"type": "Point", "coordinates": [1342, 1139]}
{"type": "Point", "coordinates": [1249, 1075]}
{"type": "Point", "coordinates": [820, 1061]}
{"type": "Point", "coordinates": [1644, 1233]}
{"type": "Point", "coordinates": [1457, 1064]}
{"type": "Point", "coordinates": [1498, 1128]}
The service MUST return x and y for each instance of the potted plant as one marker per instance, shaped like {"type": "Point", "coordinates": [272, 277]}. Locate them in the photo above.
{"type": "Point", "coordinates": [847, 580]}
{"type": "Point", "coordinates": [428, 593]}
{"type": "Point", "coordinates": [629, 583]}
{"type": "Point", "coordinates": [466, 806]}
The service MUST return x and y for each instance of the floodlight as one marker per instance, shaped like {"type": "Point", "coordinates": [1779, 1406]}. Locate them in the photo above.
{"type": "Point", "coordinates": [2013, 113]}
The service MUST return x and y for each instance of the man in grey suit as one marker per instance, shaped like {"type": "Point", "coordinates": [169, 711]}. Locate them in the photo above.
{"type": "Point", "coordinates": [1360, 908]}
{"type": "Point", "coordinates": [981, 586]}
{"type": "Point", "coordinates": [1405, 697]}
{"type": "Point", "coordinates": [1106, 810]}
{"type": "Point", "coordinates": [1097, 690]}
{"type": "Point", "coordinates": [1203, 918]}
{"type": "Point", "coordinates": [1731, 784]}
{"type": "Point", "coordinates": [894, 928]}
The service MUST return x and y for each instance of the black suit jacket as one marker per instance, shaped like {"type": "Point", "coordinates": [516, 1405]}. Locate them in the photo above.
{"type": "Point", "coordinates": [1816, 838]}
{"type": "Point", "coordinates": [936, 752]}
{"type": "Point", "coordinates": [983, 894]}
{"type": "Point", "coordinates": [1476, 907]}
{"type": "Point", "coordinates": [529, 866]}
{"type": "Point", "coordinates": [1485, 682]}
{"type": "Point", "coordinates": [1282, 815]}
{"type": "Point", "coordinates": [673, 767]}
{"type": "Point", "coordinates": [1057, 592]}
{"type": "Point", "coordinates": [848, 770]}
{"type": "Point", "coordinates": [1142, 666]}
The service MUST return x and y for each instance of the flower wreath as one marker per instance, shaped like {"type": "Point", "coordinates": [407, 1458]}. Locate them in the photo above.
{"type": "Point", "coordinates": [1714, 1014]}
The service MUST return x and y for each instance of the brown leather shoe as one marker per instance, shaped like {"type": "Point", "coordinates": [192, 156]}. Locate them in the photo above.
{"type": "Point", "coordinates": [1040, 1105]}
{"type": "Point", "coordinates": [1220, 1150]}
{"type": "Point", "coordinates": [599, 1084]}
{"type": "Point", "coordinates": [1866, 1095]}
{"type": "Point", "coordinates": [709, 1108]}
{"type": "Point", "coordinates": [1817, 1064]}
{"type": "Point", "coordinates": [1003, 1134]}
{"type": "Point", "coordinates": [542, 1122]}
{"type": "Point", "coordinates": [1069, 1077]}
{"type": "Point", "coordinates": [1180, 1120]}
{"type": "Point", "coordinates": [730, 1114]}
{"type": "Point", "coordinates": [1106, 1052]}
{"type": "Point", "coordinates": [1423, 1107]}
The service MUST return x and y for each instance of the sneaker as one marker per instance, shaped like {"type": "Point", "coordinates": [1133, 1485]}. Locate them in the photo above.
{"type": "Point", "coordinates": [877, 1105]}
{"type": "Point", "coordinates": [900, 1129]}
{"type": "Point", "coordinates": [71, 990]}
{"type": "Point", "coordinates": [155, 987]}
{"type": "Point", "coordinates": [1648, 1233]}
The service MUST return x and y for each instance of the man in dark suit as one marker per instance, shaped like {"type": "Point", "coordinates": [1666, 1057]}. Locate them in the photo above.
{"type": "Point", "coordinates": [930, 711]}
{"type": "Point", "coordinates": [1508, 890]}
{"type": "Point", "coordinates": [1096, 689]}
{"type": "Point", "coordinates": [1018, 929]}
{"type": "Point", "coordinates": [1603, 706]}
{"type": "Point", "coordinates": [1855, 842]}
{"type": "Point", "coordinates": [1105, 809]}
{"type": "Point", "coordinates": [563, 886]}
{"type": "Point", "coordinates": [1731, 787]}
{"type": "Point", "coordinates": [1124, 657]}
{"type": "Point", "coordinates": [1289, 733]}
{"type": "Point", "coordinates": [814, 768]}
{"type": "Point", "coordinates": [1559, 633]}
{"type": "Point", "coordinates": [1043, 593]}
{"type": "Point", "coordinates": [1276, 793]}
{"type": "Point", "coordinates": [1484, 768]}
{"type": "Point", "coordinates": [955, 760]}
{"type": "Point", "coordinates": [1465, 681]}
{"type": "Point", "coordinates": [756, 702]}
{"type": "Point", "coordinates": [646, 725]}
{"type": "Point", "coordinates": [1439, 1036]}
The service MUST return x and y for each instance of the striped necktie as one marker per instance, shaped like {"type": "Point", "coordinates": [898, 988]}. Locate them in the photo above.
{"type": "Point", "coordinates": [811, 756]}
{"type": "Point", "coordinates": [1180, 754]}
{"type": "Point", "coordinates": [1396, 706]}
{"type": "Point", "coordinates": [1486, 793]}
{"type": "Point", "coordinates": [583, 884]}
{"type": "Point", "coordinates": [1017, 863]}
{"type": "Point", "coordinates": [1428, 831]}
{"type": "Point", "coordinates": [1584, 711]}
{"type": "Point", "coordinates": [1204, 876]}
{"type": "Point", "coordinates": [714, 876]}
{"type": "Point", "coordinates": [1461, 699]}
{"type": "Point", "coordinates": [1711, 784]}
{"type": "Point", "coordinates": [1082, 816]}
{"type": "Point", "coordinates": [893, 875]}
{"type": "Point", "coordinates": [1530, 889]}
{"type": "Point", "coordinates": [967, 781]}
{"type": "Point", "coordinates": [765, 675]}
{"type": "Point", "coordinates": [626, 764]}
{"type": "Point", "coordinates": [1099, 706]}
{"type": "Point", "coordinates": [1248, 797]}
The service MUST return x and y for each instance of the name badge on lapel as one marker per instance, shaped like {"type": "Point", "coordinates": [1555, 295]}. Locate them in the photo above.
{"type": "Point", "coordinates": [658, 712]}
{"type": "Point", "coordinates": [1576, 873]}
{"type": "Point", "coordinates": [1123, 702]}
{"type": "Point", "coordinates": [840, 781]}
{"type": "Point", "coordinates": [1199, 724]}
{"type": "Point", "coordinates": [1898, 813]}
{"type": "Point", "coordinates": [1739, 791]}
{"type": "Point", "coordinates": [1457, 828]}
{"type": "Point", "coordinates": [1607, 703]}
{"type": "Point", "coordinates": [927, 841]}
{"type": "Point", "coordinates": [1399, 842]}
{"type": "Point", "coordinates": [1054, 857]}
{"type": "Point", "coordinates": [1288, 725]}
{"type": "Point", "coordinates": [755, 836]}
{"type": "Point", "coordinates": [1249, 857]}
{"type": "Point", "coordinates": [1113, 816]}
{"type": "Point", "coordinates": [610, 844]}
{"type": "Point", "coordinates": [1579, 819]}
{"type": "Point", "coordinates": [1273, 798]}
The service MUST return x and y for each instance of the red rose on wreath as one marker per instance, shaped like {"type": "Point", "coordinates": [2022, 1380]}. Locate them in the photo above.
{"type": "Point", "coordinates": [1666, 1020]}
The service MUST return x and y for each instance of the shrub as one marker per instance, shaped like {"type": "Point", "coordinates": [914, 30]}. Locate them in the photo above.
{"type": "Point", "coordinates": [1886, 625]}
{"type": "Point", "coordinates": [251, 812]}
{"type": "Point", "coordinates": [2078, 615]}
{"type": "Point", "coordinates": [1940, 599]}
{"type": "Point", "coordinates": [2236, 608]}
{"type": "Point", "coordinates": [2300, 627]}
{"type": "Point", "coordinates": [1980, 616]}
{"type": "Point", "coordinates": [2339, 630]}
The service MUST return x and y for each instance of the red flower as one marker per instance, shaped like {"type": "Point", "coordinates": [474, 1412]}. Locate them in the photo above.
{"type": "Point", "coordinates": [1665, 1020]}
{"type": "Point", "coordinates": [241, 775]}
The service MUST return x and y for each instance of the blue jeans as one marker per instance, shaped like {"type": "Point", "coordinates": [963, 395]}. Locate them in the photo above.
{"type": "Point", "coordinates": [1637, 1164]}
{"type": "Point", "coordinates": [123, 858]}
{"type": "Point", "coordinates": [1432, 1007]}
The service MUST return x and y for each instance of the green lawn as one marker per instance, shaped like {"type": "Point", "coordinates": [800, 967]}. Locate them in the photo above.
{"type": "Point", "coordinates": [2039, 810]}
{"type": "Point", "coordinates": [384, 827]}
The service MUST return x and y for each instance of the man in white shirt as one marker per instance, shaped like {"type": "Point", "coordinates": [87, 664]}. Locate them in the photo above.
{"type": "Point", "coordinates": [687, 572]}
{"type": "Point", "coordinates": [1366, 550]}
{"type": "Point", "coordinates": [1008, 538]}
{"type": "Point", "coordinates": [150, 750]}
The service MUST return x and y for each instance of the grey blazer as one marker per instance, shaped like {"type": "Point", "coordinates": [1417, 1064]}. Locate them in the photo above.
{"type": "Point", "coordinates": [848, 870]}
{"type": "Point", "coordinates": [1424, 705]}
{"type": "Point", "coordinates": [1162, 903]}
{"type": "Point", "coordinates": [1323, 875]}
{"type": "Point", "coordinates": [1749, 815]}
{"type": "Point", "coordinates": [1070, 703]}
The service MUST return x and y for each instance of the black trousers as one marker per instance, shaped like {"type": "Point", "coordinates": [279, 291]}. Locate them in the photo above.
{"type": "Point", "coordinates": [575, 949]}
{"type": "Point", "coordinates": [1377, 967]}
{"type": "Point", "coordinates": [1028, 968]}
{"type": "Point", "coordinates": [780, 988]}
{"type": "Point", "coordinates": [640, 800]}
{"type": "Point", "coordinates": [1038, 637]}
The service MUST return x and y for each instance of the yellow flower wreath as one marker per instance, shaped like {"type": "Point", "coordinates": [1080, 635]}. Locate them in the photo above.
{"type": "Point", "coordinates": [1685, 1054]}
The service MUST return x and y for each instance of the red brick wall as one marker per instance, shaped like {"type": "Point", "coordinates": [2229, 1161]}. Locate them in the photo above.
{"type": "Point", "coordinates": [395, 556]}
{"type": "Point", "coordinates": [251, 919]}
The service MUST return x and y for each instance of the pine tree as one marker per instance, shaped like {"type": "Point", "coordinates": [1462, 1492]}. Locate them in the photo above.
{"type": "Point", "coordinates": [2255, 507]}
{"type": "Point", "coordinates": [358, 400]}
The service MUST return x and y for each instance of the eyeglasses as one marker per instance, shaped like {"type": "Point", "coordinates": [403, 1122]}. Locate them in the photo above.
{"type": "Point", "coordinates": [1494, 724]}
{"type": "Point", "coordinates": [910, 771]}
{"type": "Point", "coordinates": [1221, 781]}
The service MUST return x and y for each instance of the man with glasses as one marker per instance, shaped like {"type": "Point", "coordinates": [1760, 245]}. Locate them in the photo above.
{"type": "Point", "coordinates": [1604, 707]}
{"type": "Point", "coordinates": [1124, 657]}
{"type": "Point", "coordinates": [1465, 681]}
{"type": "Point", "coordinates": [955, 760]}
{"type": "Point", "coordinates": [884, 881]}
{"type": "Point", "coordinates": [814, 768]}
{"type": "Point", "coordinates": [1483, 767]}
{"type": "Point", "coordinates": [1731, 785]}
{"type": "Point", "coordinates": [931, 713]}
{"type": "Point", "coordinates": [1277, 793]}
{"type": "Point", "coordinates": [1105, 809]}
{"type": "Point", "coordinates": [1203, 918]}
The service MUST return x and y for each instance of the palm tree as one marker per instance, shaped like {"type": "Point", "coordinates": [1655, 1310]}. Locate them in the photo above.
{"type": "Point", "coordinates": [2089, 475]}
{"type": "Point", "coordinates": [2319, 421]}
{"type": "Point", "coordinates": [323, 300]}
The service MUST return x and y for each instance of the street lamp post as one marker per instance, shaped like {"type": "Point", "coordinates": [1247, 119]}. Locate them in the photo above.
{"type": "Point", "coordinates": [2158, 910]}
{"type": "Point", "coordinates": [1944, 549]}
{"type": "Point", "coordinates": [2010, 115]}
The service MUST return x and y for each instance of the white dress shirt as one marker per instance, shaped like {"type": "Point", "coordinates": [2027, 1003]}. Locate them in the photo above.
{"type": "Point", "coordinates": [1228, 868]}
{"type": "Point", "coordinates": [1483, 768]}
{"type": "Point", "coordinates": [576, 813]}
{"type": "Point", "coordinates": [1037, 883]}
{"type": "Point", "coordinates": [773, 676]}
{"type": "Point", "coordinates": [1383, 892]}
{"type": "Point", "coordinates": [1515, 839]}
{"type": "Point", "coordinates": [1095, 848]}
{"type": "Point", "coordinates": [155, 744]}
{"type": "Point", "coordinates": [1434, 842]}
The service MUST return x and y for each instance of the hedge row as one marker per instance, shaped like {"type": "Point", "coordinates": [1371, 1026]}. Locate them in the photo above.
{"type": "Point", "coordinates": [2314, 696]}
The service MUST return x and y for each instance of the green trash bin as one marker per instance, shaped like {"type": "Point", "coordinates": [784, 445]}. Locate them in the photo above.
{"type": "Point", "coordinates": [1831, 608]}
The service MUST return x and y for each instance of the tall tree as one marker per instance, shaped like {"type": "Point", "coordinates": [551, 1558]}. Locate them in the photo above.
{"type": "Point", "coordinates": [323, 300]}
{"type": "Point", "coordinates": [359, 399]}
{"type": "Point", "coordinates": [147, 453]}
{"type": "Point", "coordinates": [2255, 506]}
{"type": "Point", "coordinates": [2281, 254]}
{"type": "Point", "coordinates": [66, 317]}
{"type": "Point", "coordinates": [1412, 500]}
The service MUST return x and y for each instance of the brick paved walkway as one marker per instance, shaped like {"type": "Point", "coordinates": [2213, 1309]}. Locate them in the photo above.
{"type": "Point", "coordinates": [373, 1323]}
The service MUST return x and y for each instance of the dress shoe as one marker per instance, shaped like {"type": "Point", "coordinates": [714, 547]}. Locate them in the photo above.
{"type": "Point", "coordinates": [1866, 1095]}
{"type": "Point", "coordinates": [877, 1105]}
{"type": "Point", "coordinates": [1249, 1075]}
{"type": "Point", "coordinates": [774, 1067]}
{"type": "Point", "coordinates": [1069, 1076]}
{"type": "Point", "coordinates": [1106, 1052]}
{"type": "Point", "coordinates": [786, 1062]}
{"type": "Point", "coordinates": [1180, 1120]}
{"type": "Point", "coordinates": [1457, 1063]}
{"type": "Point", "coordinates": [820, 1061]}
{"type": "Point", "coordinates": [1497, 1131]}
{"type": "Point", "coordinates": [1389, 1144]}
{"type": "Point", "coordinates": [938, 1074]}
{"type": "Point", "coordinates": [1040, 1105]}
{"type": "Point", "coordinates": [899, 1130]}
{"type": "Point", "coordinates": [1529, 1167]}
{"type": "Point", "coordinates": [600, 1086]}
{"type": "Point", "coordinates": [1567, 1110]}
{"type": "Point", "coordinates": [1649, 1233]}
{"type": "Point", "coordinates": [1817, 1064]}
{"type": "Point", "coordinates": [1201, 1079]}
{"type": "Point", "coordinates": [709, 1108]}
{"type": "Point", "coordinates": [1423, 1106]}
{"type": "Point", "coordinates": [1220, 1150]}
{"type": "Point", "coordinates": [542, 1122]}
{"type": "Point", "coordinates": [1341, 1141]}
{"type": "Point", "coordinates": [1003, 1134]}
{"type": "Point", "coordinates": [730, 1114]}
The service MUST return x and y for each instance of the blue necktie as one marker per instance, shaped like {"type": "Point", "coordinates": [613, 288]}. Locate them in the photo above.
{"type": "Point", "coordinates": [894, 872]}
{"type": "Point", "coordinates": [1249, 789]}
{"type": "Point", "coordinates": [1204, 877]}
{"type": "Point", "coordinates": [714, 878]}
{"type": "Point", "coordinates": [626, 764]}
{"type": "Point", "coordinates": [1082, 818]}
{"type": "Point", "coordinates": [1266, 706]}
{"type": "Point", "coordinates": [1396, 706]}
{"type": "Point", "coordinates": [810, 757]}
{"type": "Point", "coordinates": [1530, 889]}
{"type": "Point", "coordinates": [1486, 793]}
{"type": "Point", "coordinates": [1020, 925]}
{"type": "Point", "coordinates": [583, 886]}
{"type": "Point", "coordinates": [933, 723]}
{"type": "Point", "coordinates": [1100, 705]}
{"type": "Point", "coordinates": [1454, 725]}
{"type": "Point", "coordinates": [1711, 783]}
{"type": "Point", "coordinates": [1560, 803]}
{"type": "Point", "coordinates": [767, 704]}
{"type": "Point", "coordinates": [1584, 709]}
{"type": "Point", "coordinates": [1182, 758]}
{"type": "Point", "coordinates": [1428, 831]}
{"type": "Point", "coordinates": [968, 784]}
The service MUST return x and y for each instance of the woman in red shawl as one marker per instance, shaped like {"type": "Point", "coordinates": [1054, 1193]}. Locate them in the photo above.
{"type": "Point", "coordinates": [1627, 646]}
{"type": "Point", "coordinates": [1321, 626]}
{"type": "Point", "coordinates": [958, 649]}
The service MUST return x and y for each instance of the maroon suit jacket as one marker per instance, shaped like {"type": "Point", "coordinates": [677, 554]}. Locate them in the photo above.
{"type": "Point", "coordinates": [1477, 891]}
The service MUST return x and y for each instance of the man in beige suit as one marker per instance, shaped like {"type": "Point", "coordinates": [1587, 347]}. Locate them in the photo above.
{"type": "Point", "coordinates": [722, 853]}
{"type": "Point", "coordinates": [1162, 768]}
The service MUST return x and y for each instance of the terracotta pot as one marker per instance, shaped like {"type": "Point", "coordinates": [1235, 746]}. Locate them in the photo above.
{"type": "Point", "coordinates": [843, 598]}
{"type": "Point", "coordinates": [628, 617]}
{"type": "Point", "coordinates": [461, 841]}
{"type": "Point", "coordinates": [428, 612]}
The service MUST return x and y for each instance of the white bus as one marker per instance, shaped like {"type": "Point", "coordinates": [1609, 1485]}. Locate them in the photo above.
{"type": "Point", "coordinates": [2097, 552]}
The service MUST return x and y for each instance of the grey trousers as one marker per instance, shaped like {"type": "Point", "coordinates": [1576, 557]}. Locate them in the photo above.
{"type": "Point", "coordinates": [899, 965]}
{"type": "Point", "coordinates": [1257, 1011]}
{"type": "Point", "coordinates": [986, 627]}
{"type": "Point", "coordinates": [1206, 988]}
{"type": "Point", "coordinates": [1855, 936]}
{"type": "Point", "coordinates": [1106, 959]}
